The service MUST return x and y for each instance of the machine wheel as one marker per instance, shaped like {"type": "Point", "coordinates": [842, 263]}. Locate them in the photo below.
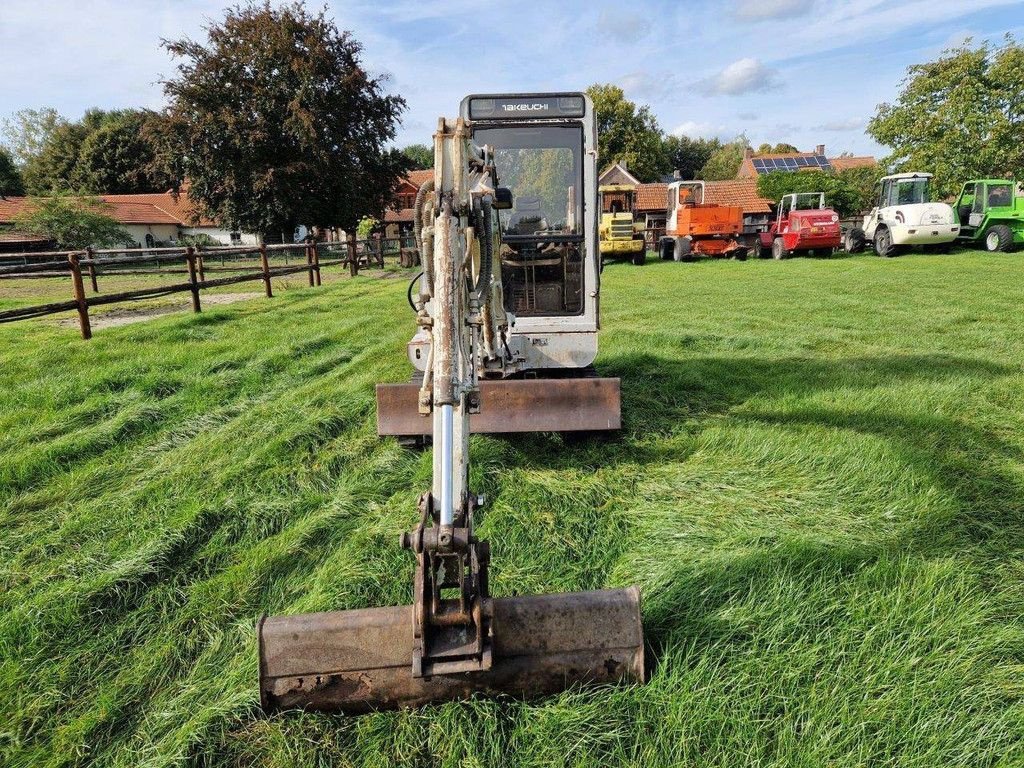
{"type": "Point", "coordinates": [762, 252]}
{"type": "Point", "coordinates": [741, 253]}
{"type": "Point", "coordinates": [640, 258]}
{"type": "Point", "coordinates": [999, 238]}
{"type": "Point", "coordinates": [682, 249]}
{"type": "Point", "coordinates": [883, 243]}
{"type": "Point", "coordinates": [665, 249]}
{"type": "Point", "coordinates": [854, 241]}
{"type": "Point", "coordinates": [779, 251]}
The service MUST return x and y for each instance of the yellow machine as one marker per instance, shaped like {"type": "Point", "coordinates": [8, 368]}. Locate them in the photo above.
{"type": "Point", "coordinates": [620, 236]}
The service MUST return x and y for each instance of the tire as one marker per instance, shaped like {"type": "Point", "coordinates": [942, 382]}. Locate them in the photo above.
{"type": "Point", "coordinates": [854, 240]}
{"type": "Point", "coordinates": [883, 243]}
{"type": "Point", "coordinates": [682, 250]}
{"type": "Point", "coordinates": [763, 253]}
{"type": "Point", "coordinates": [639, 259]}
{"type": "Point", "coordinates": [999, 239]}
{"type": "Point", "coordinates": [665, 249]}
{"type": "Point", "coordinates": [741, 253]}
{"type": "Point", "coordinates": [779, 251]}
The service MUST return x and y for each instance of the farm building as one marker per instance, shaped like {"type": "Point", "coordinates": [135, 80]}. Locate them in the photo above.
{"type": "Point", "coordinates": [398, 217]}
{"type": "Point", "coordinates": [149, 219]}
{"type": "Point", "coordinates": [652, 202]}
{"type": "Point", "coordinates": [617, 174]}
{"type": "Point", "coordinates": [755, 163]}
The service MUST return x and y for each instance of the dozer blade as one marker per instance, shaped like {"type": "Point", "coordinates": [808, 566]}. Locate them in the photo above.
{"type": "Point", "coordinates": [361, 660]}
{"type": "Point", "coordinates": [513, 405]}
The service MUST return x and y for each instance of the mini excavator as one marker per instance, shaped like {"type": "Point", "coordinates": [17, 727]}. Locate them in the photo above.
{"type": "Point", "coordinates": [507, 316]}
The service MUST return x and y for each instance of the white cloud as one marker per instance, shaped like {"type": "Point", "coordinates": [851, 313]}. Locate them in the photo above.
{"type": "Point", "coordinates": [747, 75]}
{"type": "Point", "coordinates": [759, 10]}
{"type": "Point", "coordinates": [698, 130]}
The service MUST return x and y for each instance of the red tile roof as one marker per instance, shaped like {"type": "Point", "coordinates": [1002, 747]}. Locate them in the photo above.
{"type": "Point", "coordinates": [392, 216]}
{"type": "Point", "coordinates": [741, 192]}
{"type": "Point", "coordinates": [418, 178]}
{"type": "Point", "coordinates": [843, 163]}
{"type": "Point", "coordinates": [14, 236]}
{"type": "Point", "coordinates": [159, 208]}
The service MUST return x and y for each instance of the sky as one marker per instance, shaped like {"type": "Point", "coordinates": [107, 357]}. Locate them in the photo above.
{"type": "Point", "coordinates": [805, 72]}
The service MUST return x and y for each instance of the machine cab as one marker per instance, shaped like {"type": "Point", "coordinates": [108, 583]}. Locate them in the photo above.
{"type": "Point", "coordinates": [545, 148]}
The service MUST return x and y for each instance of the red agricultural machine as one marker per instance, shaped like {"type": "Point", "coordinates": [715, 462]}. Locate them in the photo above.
{"type": "Point", "coordinates": [802, 225]}
{"type": "Point", "coordinates": [695, 228]}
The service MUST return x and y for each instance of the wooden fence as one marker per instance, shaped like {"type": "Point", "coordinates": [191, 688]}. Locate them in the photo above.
{"type": "Point", "coordinates": [248, 263]}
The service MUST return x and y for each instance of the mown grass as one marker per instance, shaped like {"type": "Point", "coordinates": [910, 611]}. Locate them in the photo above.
{"type": "Point", "coordinates": [819, 489]}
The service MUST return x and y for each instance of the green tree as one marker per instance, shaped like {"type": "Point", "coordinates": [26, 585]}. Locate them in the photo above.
{"type": "Point", "coordinates": [27, 130]}
{"type": "Point", "coordinates": [688, 155]}
{"type": "Point", "coordinates": [53, 167]}
{"type": "Point", "coordinates": [72, 222]}
{"type": "Point", "coordinates": [725, 161]}
{"type": "Point", "coordinates": [275, 122]}
{"type": "Point", "coordinates": [777, 149]}
{"type": "Point", "coordinates": [10, 176]}
{"type": "Point", "coordinates": [960, 116]}
{"type": "Point", "coordinates": [839, 194]}
{"type": "Point", "coordinates": [119, 157]}
{"type": "Point", "coordinates": [420, 155]}
{"type": "Point", "coordinates": [861, 182]}
{"type": "Point", "coordinates": [627, 133]}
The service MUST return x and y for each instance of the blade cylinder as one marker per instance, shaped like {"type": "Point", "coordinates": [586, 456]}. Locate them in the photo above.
{"type": "Point", "coordinates": [361, 660]}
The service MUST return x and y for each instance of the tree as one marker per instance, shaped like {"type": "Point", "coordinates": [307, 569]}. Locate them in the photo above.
{"type": "Point", "coordinates": [960, 116]}
{"type": "Point", "coordinates": [839, 194]}
{"type": "Point", "coordinates": [72, 222]}
{"type": "Point", "coordinates": [119, 156]}
{"type": "Point", "coordinates": [53, 167]}
{"type": "Point", "coordinates": [862, 182]}
{"type": "Point", "coordinates": [10, 176]}
{"type": "Point", "coordinates": [27, 130]}
{"type": "Point", "coordinates": [627, 133]}
{"type": "Point", "coordinates": [778, 149]}
{"type": "Point", "coordinates": [725, 161]}
{"type": "Point", "coordinates": [420, 155]}
{"type": "Point", "coordinates": [275, 122]}
{"type": "Point", "coordinates": [688, 155]}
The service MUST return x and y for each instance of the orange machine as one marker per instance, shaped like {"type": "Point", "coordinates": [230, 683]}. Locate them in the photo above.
{"type": "Point", "coordinates": [695, 228]}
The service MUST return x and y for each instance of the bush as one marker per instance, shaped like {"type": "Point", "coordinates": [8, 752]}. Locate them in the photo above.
{"type": "Point", "coordinates": [839, 193]}
{"type": "Point", "coordinates": [72, 222]}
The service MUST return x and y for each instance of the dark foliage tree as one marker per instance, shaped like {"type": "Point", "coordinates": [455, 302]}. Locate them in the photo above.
{"type": "Point", "coordinates": [776, 149]}
{"type": "Point", "coordinates": [53, 167]}
{"type": "Point", "coordinates": [274, 122]}
{"type": "Point", "coordinates": [10, 176]}
{"type": "Point", "coordinates": [688, 155]}
{"type": "Point", "coordinates": [119, 157]}
{"type": "Point", "coordinates": [420, 155]}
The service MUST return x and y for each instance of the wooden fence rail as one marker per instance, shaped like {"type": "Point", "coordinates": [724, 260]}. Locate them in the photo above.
{"type": "Point", "coordinates": [190, 262]}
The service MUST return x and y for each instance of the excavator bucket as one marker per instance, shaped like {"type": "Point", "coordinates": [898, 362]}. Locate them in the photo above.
{"type": "Point", "coordinates": [362, 660]}
{"type": "Point", "coordinates": [585, 404]}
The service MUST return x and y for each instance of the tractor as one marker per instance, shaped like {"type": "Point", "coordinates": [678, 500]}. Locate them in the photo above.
{"type": "Point", "coordinates": [905, 216]}
{"type": "Point", "coordinates": [695, 228]}
{"type": "Point", "coordinates": [620, 236]}
{"type": "Point", "coordinates": [802, 224]}
{"type": "Point", "coordinates": [991, 213]}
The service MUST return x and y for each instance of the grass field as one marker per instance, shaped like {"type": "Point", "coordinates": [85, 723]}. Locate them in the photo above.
{"type": "Point", "coordinates": [819, 490]}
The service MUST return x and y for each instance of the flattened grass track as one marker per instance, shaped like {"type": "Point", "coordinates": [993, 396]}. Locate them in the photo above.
{"type": "Point", "coordinates": [819, 490]}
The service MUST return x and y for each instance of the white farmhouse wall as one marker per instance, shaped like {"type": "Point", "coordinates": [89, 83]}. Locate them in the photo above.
{"type": "Point", "coordinates": [222, 236]}
{"type": "Point", "coordinates": [161, 233]}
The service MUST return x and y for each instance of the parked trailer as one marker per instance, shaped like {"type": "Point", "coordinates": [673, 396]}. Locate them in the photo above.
{"type": "Point", "coordinates": [802, 225]}
{"type": "Point", "coordinates": [991, 214]}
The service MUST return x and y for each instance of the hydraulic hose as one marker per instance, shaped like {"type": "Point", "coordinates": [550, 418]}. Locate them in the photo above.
{"type": "Point", "coordinates": [486, 250]}
{"type": "Point", "coordinates": [408, 294]}
{"type": "Point", "coordinates": [417, 228]}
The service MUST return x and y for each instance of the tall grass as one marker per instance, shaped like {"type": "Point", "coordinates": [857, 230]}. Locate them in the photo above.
{"type": "Point", "coordinates": [819, 488]}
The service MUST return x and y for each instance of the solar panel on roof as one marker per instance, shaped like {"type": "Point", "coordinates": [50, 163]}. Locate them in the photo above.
{"type": "Point", "coordinates": [803, 162]}
{"type": "Point", "coordinates": [791, 163]}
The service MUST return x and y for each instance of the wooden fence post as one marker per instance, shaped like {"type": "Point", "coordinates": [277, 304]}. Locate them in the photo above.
{"type": "Point", "coordinates": [309, 264]}
{"type": "Point", "coordinates": [190, 259]}
{"type": "Point", "coordinates": [83, 304]}
{"type": "Point", "coordinates": [379, 242]}
{"type": "Point", "coordinates": [353, 264]}
{"type": "Point", "coordinates": [201, 265]}
{"type": "Point", "coordinates": [266, 270]}
{"type": "Point", "coordinates": [89, 255]}
{"type": "Point", "coordinates": [316, 261]}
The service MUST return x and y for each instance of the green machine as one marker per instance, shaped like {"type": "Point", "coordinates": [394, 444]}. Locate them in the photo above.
{"type": "Point", "coordinates": [991, 214]}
